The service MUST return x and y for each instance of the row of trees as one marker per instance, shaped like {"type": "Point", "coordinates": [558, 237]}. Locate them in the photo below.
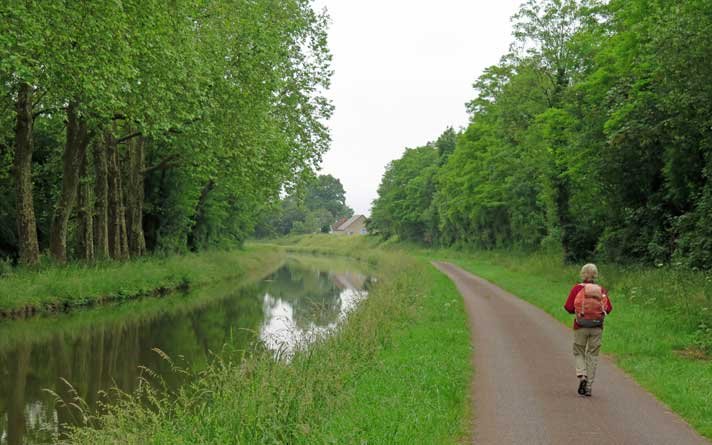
{"type": "Point", "coordinates": [593, 134]}
{"type": "Point", "coordinates": [314, 207]}
{"type": "Point", "coordinates": [140, 125]}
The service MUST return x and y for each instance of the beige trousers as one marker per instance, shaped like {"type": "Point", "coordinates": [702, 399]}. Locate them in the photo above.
{"type": "Point", "coordinates": [587, 344]}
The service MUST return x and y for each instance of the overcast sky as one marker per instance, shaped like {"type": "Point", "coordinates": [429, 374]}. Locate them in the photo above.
{"type": "Point", "coordinates": [403, 72]}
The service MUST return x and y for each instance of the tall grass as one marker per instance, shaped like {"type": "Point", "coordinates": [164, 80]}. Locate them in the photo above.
{"type": "Point", "coordinates": [395, 371]}
{"type": "Point", "coordinates": [79, 284]}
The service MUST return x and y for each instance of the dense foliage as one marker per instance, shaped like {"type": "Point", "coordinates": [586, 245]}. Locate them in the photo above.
{"type": "Point", "coordinates": [593, 134]}
{"type": "Point", "coordinates": [137, 126]}
{"type": "Point", "coordinates": [315, 207]}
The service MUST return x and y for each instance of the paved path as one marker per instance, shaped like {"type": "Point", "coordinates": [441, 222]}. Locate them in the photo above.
{"type": "Point", "coordinates": [524, 389]}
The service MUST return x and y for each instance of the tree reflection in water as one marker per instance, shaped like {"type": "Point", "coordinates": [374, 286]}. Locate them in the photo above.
{"type": "Point", "coordinates": [96, 350]}
{"type": "Point", "coordinates": [303, 301]}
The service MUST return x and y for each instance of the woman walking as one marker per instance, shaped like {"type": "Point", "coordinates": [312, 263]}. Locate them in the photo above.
{"type": "Point", "coordinates": [590, 303]}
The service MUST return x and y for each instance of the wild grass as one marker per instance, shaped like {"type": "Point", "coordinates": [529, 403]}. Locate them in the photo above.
{"type": "Point", "coordinates": [396, 371]}
{"type": "Point", "coordinates": [81, 284]}
{"type": "Point", "coordinates": [659, 331]}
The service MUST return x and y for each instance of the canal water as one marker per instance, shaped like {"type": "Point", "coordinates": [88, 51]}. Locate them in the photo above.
{"type": "Point", "coordinates": [92, 351]}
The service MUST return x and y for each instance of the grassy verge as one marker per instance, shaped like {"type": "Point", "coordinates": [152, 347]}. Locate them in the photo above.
{"type": "Point", "coordinates": [396, 371]}
{"type": "Point", "coordinates": [26, 292]}
{"type": "Point", "coordinates": [658, 332]}
{"type": "Point", "coordinates": [361, 248]}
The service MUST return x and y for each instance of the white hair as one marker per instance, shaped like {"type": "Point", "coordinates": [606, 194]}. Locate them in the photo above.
{"type": "Point", "coordinates": [589, 272]}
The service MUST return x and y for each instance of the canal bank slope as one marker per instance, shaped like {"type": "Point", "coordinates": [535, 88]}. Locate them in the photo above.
{"type": "Point", "coordinates": [24, 293]}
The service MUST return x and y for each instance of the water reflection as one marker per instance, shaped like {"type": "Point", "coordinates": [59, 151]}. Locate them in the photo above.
{"type": "Point", "coordinates": [303, 303]}
{"type": "Point", "coordinates": [99, 349]}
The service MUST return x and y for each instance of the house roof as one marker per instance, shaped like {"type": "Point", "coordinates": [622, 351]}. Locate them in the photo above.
{"type": "Point", "coordinates": [338, 223]}
{"type": "Point", "coordinates": [349, 221]}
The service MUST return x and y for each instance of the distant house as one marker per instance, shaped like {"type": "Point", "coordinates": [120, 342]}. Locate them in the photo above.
{"type": "Point", "coordinates": [356, 225]}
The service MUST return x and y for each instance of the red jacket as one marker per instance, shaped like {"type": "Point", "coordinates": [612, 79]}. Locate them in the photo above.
{"type": "Point", "coordinates": [569, 306]}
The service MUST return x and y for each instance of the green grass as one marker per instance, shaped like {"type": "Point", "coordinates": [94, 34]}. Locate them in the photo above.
{"type": "Point", "coordinates": [362, 248]}
{"type": "Point", "coordinates": [397, 371]}
{"type": "Point", "coordinates": [656, 332]}
{"type": "Point", "coordinates": [81, 284]}
{"type": "Point", "coordinates": [422, 371]}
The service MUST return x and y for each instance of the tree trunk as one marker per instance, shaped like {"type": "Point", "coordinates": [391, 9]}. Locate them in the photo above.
{"type": "Point", "coordinates": [135, 197]}
{"type": "Point", "coordinates": [198, 220]}
{"type": "Point", "coordinates": [113, 199]}
{"type": "Point", "coordinates": [74, 150]}
{"type": "Point", "coordinates": [101, 190]}
{"type": "Point", "coordinates": [118, 247]}
{"type": "Point", "coordinates": [85, 232]}
{"type": "Point", "coordinates": [152, 220]}
{"type": "Point", "coordinates": [122, 220]}
{"type": "Point", "coordinates": [22, 170]}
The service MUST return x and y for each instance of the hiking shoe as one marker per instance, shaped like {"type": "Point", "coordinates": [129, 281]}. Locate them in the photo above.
{"type": "Point", "coordinates": [582, 387]}
{"type": "Point", "coordinates": [588, 391]}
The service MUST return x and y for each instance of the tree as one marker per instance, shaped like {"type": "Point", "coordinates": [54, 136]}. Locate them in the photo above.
{"type": "Point", "coordinates": [544, 33]}
{"type": "Point", "coordinates": [22, 45]}
{"type": "Point", "coordinates": [328, 193]}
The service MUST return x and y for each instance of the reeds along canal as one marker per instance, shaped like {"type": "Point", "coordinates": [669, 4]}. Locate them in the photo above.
{"type": "Point", "coordinates": [98, 349]}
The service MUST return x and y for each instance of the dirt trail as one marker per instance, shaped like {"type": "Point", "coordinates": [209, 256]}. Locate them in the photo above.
{"type": "Point", "coordinates": [524, 391]}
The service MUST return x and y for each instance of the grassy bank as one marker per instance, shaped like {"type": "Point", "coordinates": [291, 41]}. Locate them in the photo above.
{"type": "Point", "coordinates": [57, 288]}
{"type": "Point", "coordinates": [659, 331]}
{"type": "Point", "coordinates": [361, 248]}
{"type": "Point", "coordinates": [127, 314]}
{"type": "Point", "coordinates": [396, 371]}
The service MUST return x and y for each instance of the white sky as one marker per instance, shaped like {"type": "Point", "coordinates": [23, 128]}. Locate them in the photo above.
{"type": "Point", "coordinates": [403, 72]}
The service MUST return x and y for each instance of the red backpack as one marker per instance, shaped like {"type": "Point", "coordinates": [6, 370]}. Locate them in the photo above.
{"type": "Point", "coordinates": [590, 305]}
